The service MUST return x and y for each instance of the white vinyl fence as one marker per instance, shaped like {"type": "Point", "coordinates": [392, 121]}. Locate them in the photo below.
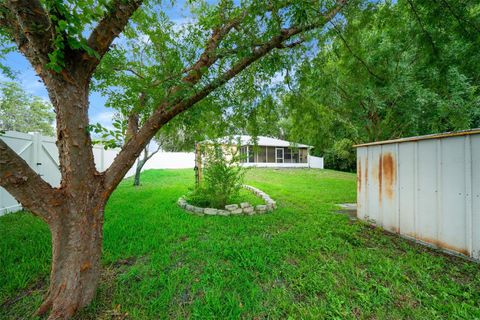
{"type": "Point", "coordinates": [41, 154]}
{"type": "Point", "coordinates": [315, 162]}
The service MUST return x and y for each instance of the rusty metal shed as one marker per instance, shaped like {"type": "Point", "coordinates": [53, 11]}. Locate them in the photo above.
{"type": "Point", "coordinates": [426, 188]}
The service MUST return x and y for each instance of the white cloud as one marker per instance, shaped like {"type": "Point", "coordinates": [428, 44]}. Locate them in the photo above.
{"type": "Point", "coordinates": [105, 118]}
{"type": "Point", "coordinates": [33, 84]}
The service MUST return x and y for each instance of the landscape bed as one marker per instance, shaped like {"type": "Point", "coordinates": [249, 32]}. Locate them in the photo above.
{"type": "Point", "coordinates": [302, 261]}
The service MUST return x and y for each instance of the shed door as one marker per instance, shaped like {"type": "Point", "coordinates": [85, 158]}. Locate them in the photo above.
{"type": "Point", "coordinates": [279, 155]}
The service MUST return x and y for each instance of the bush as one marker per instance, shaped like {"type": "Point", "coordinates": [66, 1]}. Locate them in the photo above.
{"type": "Point", "coordinates": [341, 156]}
{"type": "Point", "coordinates": [222, 178]}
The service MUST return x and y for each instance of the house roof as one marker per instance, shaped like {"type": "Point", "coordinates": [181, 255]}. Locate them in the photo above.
{"type": "Point", "coordinates": [261, 141]}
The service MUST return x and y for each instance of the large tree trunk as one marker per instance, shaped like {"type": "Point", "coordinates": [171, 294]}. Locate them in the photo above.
{"type": "Point", "coordinates": [76, 253]}
{"type": "Point", "coordinates": [75, 223]}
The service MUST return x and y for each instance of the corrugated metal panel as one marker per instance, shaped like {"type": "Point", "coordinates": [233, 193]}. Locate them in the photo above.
{"type": "Point", "coordinates": [425, 189]}
{"type": "Point", "coordinates": [475, 153]}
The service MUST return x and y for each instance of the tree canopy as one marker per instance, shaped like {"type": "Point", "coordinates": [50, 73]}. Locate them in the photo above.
{"type": "Point", "coordinates": [20, 111]}
{"type": "Point", "coordinates": [389, 70]}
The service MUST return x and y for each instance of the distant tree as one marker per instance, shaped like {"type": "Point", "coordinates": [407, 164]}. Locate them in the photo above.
{"type": "Point", "coordinates": [390, 70]}
{"type": "Point", "coordinates": [20, 111]}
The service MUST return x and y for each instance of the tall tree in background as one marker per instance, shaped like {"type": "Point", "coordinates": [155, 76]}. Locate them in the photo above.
{"type": "Point", "coordinates": [223, 40]}
{"type": "Point", "coordinates": [22, 112]}
{"type": "Point", "coordinates": [390, 70]}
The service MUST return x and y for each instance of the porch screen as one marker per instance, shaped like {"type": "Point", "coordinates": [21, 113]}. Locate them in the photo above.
{"type": "Point", "coordinates": [251, 157]}
{"type": "Point", "coordinates": [261, 154]}
{"type": "Point", "coordinates": [243, 154]}
{"type": "Point", "coordinates": [271, 154]}
{"type": "Point", "coordinates": [303, 155]}
{"type": "Point", "coordinates": [287, 155]}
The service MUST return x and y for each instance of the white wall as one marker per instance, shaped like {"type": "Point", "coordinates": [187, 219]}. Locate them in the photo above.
{"type": "Point", "coordinates": [167, 160]}
{"type": "Point", "coordinates": [315, 162]}
{"type": "Point", "coordinates": [41, 154]}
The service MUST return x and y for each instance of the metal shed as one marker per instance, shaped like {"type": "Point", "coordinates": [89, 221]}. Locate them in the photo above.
{"type": "Point", "coordinates": [426, 188]}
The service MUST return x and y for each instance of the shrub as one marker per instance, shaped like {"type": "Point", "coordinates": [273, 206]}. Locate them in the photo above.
{"type": "Point", "coordinates": [222, 177]}
{"type": "Point", "coordinates": [341, 156]}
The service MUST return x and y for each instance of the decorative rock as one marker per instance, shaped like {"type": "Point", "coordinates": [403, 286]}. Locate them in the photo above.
{"type": "Point", "coordinates": [231, 207]}
{"type": "Point", "coordinates": [244, 205]}
{"type": "Point", "coordinates": [223, 212]}
{"type": "Point", "coordinates": [198, 210]}
{"type": "Point", "coordinates": [261, 207]}
{"type": "Point", "coordinates": [182, 202]}
{"type": "Point", "coordinates": [237, 211]}
{"type": "Point", "coordinates": [210, 211]}
{"type": "Point", "coordinates": [248, 210]}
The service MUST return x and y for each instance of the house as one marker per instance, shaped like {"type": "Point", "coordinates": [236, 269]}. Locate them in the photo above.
{"type": "Point", "coordinates": [272, 152]}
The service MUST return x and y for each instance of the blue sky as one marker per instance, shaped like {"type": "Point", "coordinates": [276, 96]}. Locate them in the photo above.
{"type": "Point", "coordinates": [98, 112]}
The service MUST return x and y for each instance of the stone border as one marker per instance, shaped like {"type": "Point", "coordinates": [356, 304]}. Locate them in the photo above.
{"type": "Point", "coordinates": [243, 208]}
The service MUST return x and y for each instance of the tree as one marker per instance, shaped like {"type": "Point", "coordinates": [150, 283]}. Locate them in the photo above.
{"type": "Point", "coordinates": [22, 112]}
{"type": "Point", "coordinates": [224, 40]}
{"type": "Point", "coordinates": [390, 70]}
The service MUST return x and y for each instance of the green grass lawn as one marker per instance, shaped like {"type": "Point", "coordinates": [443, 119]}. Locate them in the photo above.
{"type": "Point", "coordinates": [302, 261]}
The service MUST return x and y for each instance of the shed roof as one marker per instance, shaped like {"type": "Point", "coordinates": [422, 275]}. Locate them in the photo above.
{"type": "Point", "coordinates": [261, 141]}
{"type": "Point", "coordinates": [425, 137]}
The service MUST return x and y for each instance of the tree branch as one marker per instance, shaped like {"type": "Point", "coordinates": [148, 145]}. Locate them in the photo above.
{"type": "Point", "coordinates": [24, 184]}
{"type": "Point", "coordinates": [29, 25]}
{"type": "Point", "coordinates": [169, 109]}
{"type": "Point", "coordinates": [209, 55]}
{"type": "Point", "coordinates": [356, 56]}
{"type": "Point", "coordinates": [108, 29]}
{"type": "Point", "coordinates": [153, 153]}
{"type": "Point", "coordinates": [425, 31]}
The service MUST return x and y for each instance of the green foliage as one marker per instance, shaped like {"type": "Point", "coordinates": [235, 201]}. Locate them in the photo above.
{"type": "Point", "coordinates": [154, 53]}
{"type": "Point", "coordinates": [109, 138]}
{"type": "Point", "coordinates": [340, 155]}
{"type": "Point", "coordinates": [222, 177]}
{"type": "Point", "coordinates": [388, 70]}
{"type": "Point", "coordinates": [301, 261]}
{"type": "Point", "coordinates": [20, 111]}
{"type": "Point", "coordinates": [70, 20]}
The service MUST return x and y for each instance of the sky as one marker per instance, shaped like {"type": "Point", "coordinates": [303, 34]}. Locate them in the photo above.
{"type": "Point", "coordinates": [31, 83]}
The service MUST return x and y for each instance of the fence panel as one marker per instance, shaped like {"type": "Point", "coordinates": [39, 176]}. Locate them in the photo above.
{"type": "Point", "coordinates": [315, 162]}
{"type": "Point", "coordinates": [41, 154]}
{"type": "Point", "coordinates": [23, 145]}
